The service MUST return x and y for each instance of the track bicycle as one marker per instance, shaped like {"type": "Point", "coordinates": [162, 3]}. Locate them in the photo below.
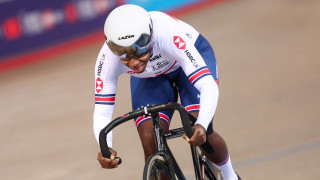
{"type": "Point", "coordinates": [163, 163]}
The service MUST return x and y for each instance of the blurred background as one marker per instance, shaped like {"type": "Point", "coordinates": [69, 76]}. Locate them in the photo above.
{"type": "Point", "coordinates": [268, 60]}
{"type": "Point", "coordinates": [32, 25]}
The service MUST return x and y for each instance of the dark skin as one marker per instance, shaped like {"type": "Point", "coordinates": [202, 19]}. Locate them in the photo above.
{"type": "Point", "coordinates": [149, 146]}
{"type": "Point", "coordinates": [138, 65]}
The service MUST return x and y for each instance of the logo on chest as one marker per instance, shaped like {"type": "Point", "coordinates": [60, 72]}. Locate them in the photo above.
{"type": "Point", "coordinates": [155, 57]}
{"type": "Point", "coordinates": [159, 65]}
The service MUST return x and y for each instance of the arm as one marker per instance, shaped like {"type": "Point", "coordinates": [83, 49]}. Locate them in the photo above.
{"type": "Point", "coordinates": [181, 48]}
{"type": "Point", "coordinates": [199, 75]}
{"type": "Point", "coordinates": [106, 76]}
{"type": "Point", "coordinates": [105, 90]}
{"type": "Point", "coordinates": [209, 95]}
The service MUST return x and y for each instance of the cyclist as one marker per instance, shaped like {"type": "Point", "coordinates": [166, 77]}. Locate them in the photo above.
{"type": "Point", "coordinates": [165, 57]}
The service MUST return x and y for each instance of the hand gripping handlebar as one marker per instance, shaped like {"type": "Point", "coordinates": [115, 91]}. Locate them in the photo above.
{"type": "Point", "coordinates": [146, 110]}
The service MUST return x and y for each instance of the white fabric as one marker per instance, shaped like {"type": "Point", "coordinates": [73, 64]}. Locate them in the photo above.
{"type": "Point", "coordinates": [167, 57]}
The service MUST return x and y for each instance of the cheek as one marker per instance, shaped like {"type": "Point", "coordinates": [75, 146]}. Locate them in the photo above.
{"type": "Point", "coordinates": [131, 63]}
{"type": "Point", "coordinates": [146, 60]}
{"type": "Point", "coordinates": [125, 62]}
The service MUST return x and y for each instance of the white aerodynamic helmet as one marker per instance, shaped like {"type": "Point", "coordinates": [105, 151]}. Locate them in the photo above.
{"type": "Point", "coordinates": [128, 30]}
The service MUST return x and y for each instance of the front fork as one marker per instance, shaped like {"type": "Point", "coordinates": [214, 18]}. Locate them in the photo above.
{"type": "Point", "coordinates": [162, 146]}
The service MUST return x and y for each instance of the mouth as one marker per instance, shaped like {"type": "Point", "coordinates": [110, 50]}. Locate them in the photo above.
{"type": "Point", "coordinates": [139, 69]}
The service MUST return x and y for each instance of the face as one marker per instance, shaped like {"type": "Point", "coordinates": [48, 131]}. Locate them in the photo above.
{"type": "Point", "coordinates": [138, 65]}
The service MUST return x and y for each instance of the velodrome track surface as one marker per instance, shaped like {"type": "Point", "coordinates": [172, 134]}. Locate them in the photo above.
{"type": "Point", "coordinates": [268, 111]}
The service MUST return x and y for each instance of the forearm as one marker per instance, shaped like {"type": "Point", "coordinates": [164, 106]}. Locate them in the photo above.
{"type": "Point", "coordinates": [209, 95]}
{"type": "Point", "coordinates": [100, 120]}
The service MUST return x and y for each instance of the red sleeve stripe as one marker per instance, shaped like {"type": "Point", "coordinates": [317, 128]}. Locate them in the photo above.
{"type": "Point", "coordinates": [198, 74]}
{"type": "Point", "coordinates": [106, 99]}
{"type": "Point", "coordinates": [193, 107]}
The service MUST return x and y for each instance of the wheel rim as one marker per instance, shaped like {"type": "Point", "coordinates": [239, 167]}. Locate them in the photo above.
{"type": "Point", "coordinates": [157, 166]}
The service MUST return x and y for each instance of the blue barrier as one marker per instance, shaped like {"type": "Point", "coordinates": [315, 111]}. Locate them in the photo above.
{"type": "Point", "coordinates": [162, 5]}
{"type": "Point", "coordinates": [33, 24]}
{"type": "Point", "coordinates": [27, 26]}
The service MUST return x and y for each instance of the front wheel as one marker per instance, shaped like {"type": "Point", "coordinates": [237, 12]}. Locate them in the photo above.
{"type": "Point", "coordinates": [208, 171]}
{"type": "Point", "coordinates": [156, 167]}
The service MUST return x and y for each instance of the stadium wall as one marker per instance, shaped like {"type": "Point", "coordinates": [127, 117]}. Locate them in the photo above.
{"type": "Point", "coordinates": [34, 30]}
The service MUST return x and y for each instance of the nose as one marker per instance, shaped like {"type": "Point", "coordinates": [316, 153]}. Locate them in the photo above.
{"type": "Point", "coordinates": [134, 62]}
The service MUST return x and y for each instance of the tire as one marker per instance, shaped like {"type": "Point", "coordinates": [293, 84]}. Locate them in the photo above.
{"type": "Point", "coordinates": [156, 165]}
{"type": "Point", "coordinates": [206, 175]}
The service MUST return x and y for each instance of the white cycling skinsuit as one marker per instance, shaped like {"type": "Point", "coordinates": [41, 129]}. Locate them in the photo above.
{"type": "Point", "coordinates": [173, 48]}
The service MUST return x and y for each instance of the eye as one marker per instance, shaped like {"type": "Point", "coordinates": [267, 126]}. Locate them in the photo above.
{"type": "Point", "coordinates": [125, 59]}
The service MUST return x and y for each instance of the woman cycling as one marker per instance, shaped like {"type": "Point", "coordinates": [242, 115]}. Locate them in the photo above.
{"type": "Point", "coordinates": [164, 57]}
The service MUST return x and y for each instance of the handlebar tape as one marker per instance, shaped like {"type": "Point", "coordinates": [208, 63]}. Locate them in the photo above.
{"type": "Point", "coordinates": [147, 110]}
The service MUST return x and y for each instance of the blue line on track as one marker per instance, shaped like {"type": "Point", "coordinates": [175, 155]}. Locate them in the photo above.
{"type": "Point", "coordinates": [277, 155]}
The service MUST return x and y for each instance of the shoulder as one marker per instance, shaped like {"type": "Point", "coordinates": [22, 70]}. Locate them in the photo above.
{"type": "Point", "coordinates": [164, 26]}
{"type": "Point", "coordinates": [161, 17]}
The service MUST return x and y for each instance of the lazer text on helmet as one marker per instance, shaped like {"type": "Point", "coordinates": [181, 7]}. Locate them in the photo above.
{"type": "Point", "coordinates": [126, 37]}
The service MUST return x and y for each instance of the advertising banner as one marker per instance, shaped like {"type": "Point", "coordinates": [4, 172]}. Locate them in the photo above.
{"type": "Point", "coordinates": [33, 24]}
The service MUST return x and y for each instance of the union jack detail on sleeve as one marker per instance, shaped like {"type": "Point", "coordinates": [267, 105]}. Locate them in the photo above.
{"type": "Point", "coordinates": [105, 99]}
{"type": "Point", "coordinates": [198, 74]}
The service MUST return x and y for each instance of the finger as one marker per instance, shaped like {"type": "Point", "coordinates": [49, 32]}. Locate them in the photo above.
{"type": "Point", "coordinates": [198, 138]}
{"type": "Point", "coordinates": [99, 157]}
{"type": "Point", "coordinates": [185, 137]}
{"type": "Point", "coordinates": [103, 160]}
{"type": "Point", "coordinates": [116, 161]}
{"type": "Point", "coordinates": [195, 135]}
{"type": "Point", "coordinates": [107, 161]}
{"type": "Point", "coordinates": [113, 154]}
{"type": "Point", "coordinates": [108, 164]}
{"type": "Point", "coordinates": [114, 164]}
{"type": "Point", "coordinates": [193, 139]}
{"type": "Point", "coordinates": [201, 139]}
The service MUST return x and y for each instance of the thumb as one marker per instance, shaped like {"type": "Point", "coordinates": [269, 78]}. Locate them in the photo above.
{"type": "Point", "coordinates": [185, 137]}
{"type": "Point", "coordinates": [112, 156]}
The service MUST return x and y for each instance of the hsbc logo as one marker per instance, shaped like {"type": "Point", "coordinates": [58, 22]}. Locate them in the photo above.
{"type": "Point", "coordinates": [101, 64]}
{"type": "Point", "coordinates": [179, 42]}
{"type": "Point", "coordinates": [193, 61]}
{"type": "Point", "coordinates": [99, 85]}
